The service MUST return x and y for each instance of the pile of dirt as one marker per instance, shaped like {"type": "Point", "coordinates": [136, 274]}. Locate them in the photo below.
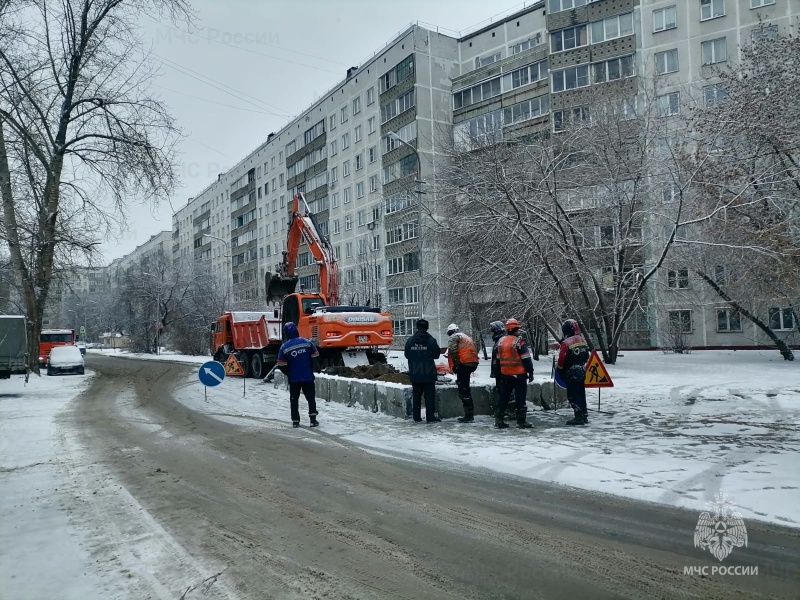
{"type": "Point", "coordinates": [376, 372]}
{"type": "Point", "coordinates": [395, 378]}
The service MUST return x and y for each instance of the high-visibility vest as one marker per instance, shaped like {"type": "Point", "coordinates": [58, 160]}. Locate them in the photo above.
{"type": "Point", "coordinates": [466, 350]}
{"type": "Point", "coordinates": [508, 356]}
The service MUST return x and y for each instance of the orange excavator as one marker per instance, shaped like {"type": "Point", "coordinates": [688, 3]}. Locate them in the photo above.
{"type": "Point", "coordinates": [345, 335]}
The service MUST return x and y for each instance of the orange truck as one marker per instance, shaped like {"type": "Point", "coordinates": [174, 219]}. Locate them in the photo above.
{"type": "Point", "coordinates": [345, 335]}
{"type": "Point", "coordinates": [50, 338]}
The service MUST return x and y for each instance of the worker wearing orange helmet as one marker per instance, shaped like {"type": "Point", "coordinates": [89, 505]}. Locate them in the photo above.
{"type": "Point", "coordinates": [462, 355]}
{"type": "Point", "coordinates": [516, 369]}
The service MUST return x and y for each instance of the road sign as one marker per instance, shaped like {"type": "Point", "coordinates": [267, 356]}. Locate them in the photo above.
{"type": "Point", "coordinates": [596, 374]}
{"type": "Point", "coordinates": [232, 366]}
{"type": "Point", "coordinates": [558, 378]}
{"type": "Point", "coordinates": [211, 373]}
{"type": "Point", "coordinates": [83, 330]}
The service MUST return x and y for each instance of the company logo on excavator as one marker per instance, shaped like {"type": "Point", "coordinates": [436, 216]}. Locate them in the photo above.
{"type": "Point", "coordinates": [360, 319]}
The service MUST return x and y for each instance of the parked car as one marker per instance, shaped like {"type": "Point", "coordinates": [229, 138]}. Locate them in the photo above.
{"type": "Point", "coordinates": [65, 359]}
{"type": "Point", "coordinates": [81, 346]}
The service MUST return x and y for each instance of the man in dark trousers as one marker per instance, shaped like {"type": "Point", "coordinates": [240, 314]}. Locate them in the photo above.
{"type": "Point", "coordinates": [422, 350]}
{"type": "Point", "coordinates": [516, 369]}
{"type": "Point", "coordinates": [463, 358]}
{"type": "Point", "coordinates": [573, 355]}
{"type": "Point", "coordinates": [498, 330]}
{"type": "Point", "coordinates": [296, 360]}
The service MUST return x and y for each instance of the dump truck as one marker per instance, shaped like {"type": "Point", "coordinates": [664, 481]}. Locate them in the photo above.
{"type": "Point", "coordinates": [254, 337]}
{"type": "Point", "coordinates": [13, 346]}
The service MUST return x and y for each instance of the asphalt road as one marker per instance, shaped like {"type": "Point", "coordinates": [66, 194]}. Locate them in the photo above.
{"type": "Point", "coordinates": [302, 514]}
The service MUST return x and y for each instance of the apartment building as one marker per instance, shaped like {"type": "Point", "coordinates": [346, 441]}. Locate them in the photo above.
{"type": "Point", "coordinates": [360, 152]}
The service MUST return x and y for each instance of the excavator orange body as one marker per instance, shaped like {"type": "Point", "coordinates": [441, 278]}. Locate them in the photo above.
{"type": "Point", "coordinates": [344, 334]}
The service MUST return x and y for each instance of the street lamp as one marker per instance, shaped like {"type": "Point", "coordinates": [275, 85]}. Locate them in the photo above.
{"type": "Point", "coordinates": [419, 192]}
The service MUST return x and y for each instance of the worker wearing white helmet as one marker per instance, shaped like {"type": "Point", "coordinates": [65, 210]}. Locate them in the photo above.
{"type": "Point", "coordinates": [463, 358]}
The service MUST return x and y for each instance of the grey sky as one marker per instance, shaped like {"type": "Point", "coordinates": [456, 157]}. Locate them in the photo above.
{"type": "Point", "coordinates": [275, 57]}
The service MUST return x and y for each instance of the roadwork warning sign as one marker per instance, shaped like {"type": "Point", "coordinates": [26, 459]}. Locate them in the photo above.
{"type": "Point", "coordinates": [233, 367]}
{"type": "Point", "coordinates": [596, 374]}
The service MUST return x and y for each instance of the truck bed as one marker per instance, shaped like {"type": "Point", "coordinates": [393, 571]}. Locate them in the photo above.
{"type": "Point", "coordinates": [255, 330]}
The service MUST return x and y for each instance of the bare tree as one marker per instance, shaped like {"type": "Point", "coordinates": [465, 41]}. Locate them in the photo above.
{"type": "Point", "coordinates": [562, 224]}
{"type": "Point", "coordinates": [748, 131]}
{"type": "Point", "coordinates": [79, 134]}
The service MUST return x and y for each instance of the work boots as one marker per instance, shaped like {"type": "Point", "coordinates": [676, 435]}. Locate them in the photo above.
{"type": "Point", "coordinates": [314, 422]}
{"type": "Point", "coordinates": [578, 419]}
{"type": "Point", "coordinates": [469, 414]}
{"type": "Point", "coordinates": [522, 422]}
{"type": "Point", "coordinates": [500, 422]}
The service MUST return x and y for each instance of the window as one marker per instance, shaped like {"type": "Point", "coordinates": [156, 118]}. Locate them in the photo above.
{"type": "Point", "coordinates": [616, 68]}
{"type": "Point", "coordinates": [370, 96]}
{"type": "Point", "coordinates": [376, 243]}
{"type": "Point", "coordinates": [346, 168]}
{"type": "Point", "coordinates": [669, 104]}
{"type": "Point", "coordinates": [362, 246]}
{"type": "Point", "coordinates": [612, 28]}
{"type": "Point", "coordinates": [528, 74]}
{"type": "Point", "coordinates": [728, 320]}
{"type": "Point", "coordinates": [280, 179]}
{"type": "Point", "coordinates": [359, 162]}
{"type": "Point", "coordinates": [356, 105]}
{"type": "Point", "coordinates": [335, 201]}
{"type": "Point", "coordinates": [529, 109]}
{"type": "Point", "coordinates": [680, 321]}
{"type": "Point", "coordinates": [781, 318]}
{"type": "Point", "coordinates": [714, 51]}
{"type": "Point", "coordinates": [670, 193]}
{"type": "Point", "coordinates": [345, 141]}
{"type": "Point", "coordinates": [764, 32]}
{"type": "Point", "coordinates": [336, 226]}
{"type": "Point", "coordinates": [394, 266]}
{"type": "Point", "coordinates": [371, 125]}
{"type": "Point", "coordinates": [482, 61]}
{"type": "Point", "coordinates": [404, 69]}
{"type": "Point", "coordinates": [373, 183]}
{"type": "Point", "coordinates": [678, 279]}
{"type": "Point", "coordinates": [360, 189]}
{"type": "Point", "coordinates": [711, 9]}
{"type": "Point", "coordinates": [351, 278]}
{"type": "Point", "coordinates": [343, 115]}
{"type": "Point", "coordinates": [348, 223]}
{"type": "Point", "coordinates": [571, 78]}
{"type": "Point", "coordinates": [477, 93]}
{"type": "Point", "coordinates": [566, 39]}
{"type": "Point", "coordinates": [334, 174]}
{"type": "Point", "coordinates": [527, 44]}
{"type": "Point", "coordinates": [372, 153]}
{"type": "Point", "coordinates": [408, 133]}
{"type": "Point", "coordinates": [347, 196]}
{"type": "Point", "coordinates": [559, 5]}
{"type": "Point", "coordinates": [348, 250]}
{"type": "Point", "coordinates": [666, 62]}
{"type": "Point", "coordinates": [721, 276]}
{"type": "Point", "coordinates": [712, 94]}
{"type": "Point", "coordinates": [665, 18]}
{"type": "Point", "coordinates": [760, 3]}
{"type": "Point", "coordinates": [411, 261]}
{"type": "Point", "coordinates": [562, 118]}
{"type": "Point", "coordinates": [331, 123]}
{"type": "Point", "coordinates": [334, 148]}
{"type": "Point", "coordinates": [399, 105]}
{"type": "Point", "coordinates": [359, 133]}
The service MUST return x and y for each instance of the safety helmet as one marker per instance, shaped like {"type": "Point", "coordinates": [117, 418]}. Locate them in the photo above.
{"type": "Point", "coordinates": [452, 328]}
{"type": "Point", "coordinates": [568, 327]}
{"type": "Point", "coordinates": [496, 327]}
{"type": "Point", "coordinates": [512, 324]}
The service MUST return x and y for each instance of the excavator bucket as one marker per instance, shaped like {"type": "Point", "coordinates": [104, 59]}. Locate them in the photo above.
{"type": "Point", "coordinates": [278, 286]}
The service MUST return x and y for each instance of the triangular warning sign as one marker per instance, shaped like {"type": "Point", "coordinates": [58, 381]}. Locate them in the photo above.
{"type": "Point", "coordinates": [596, 374]}
{"type": "Point", "coordinates": [232, 366]}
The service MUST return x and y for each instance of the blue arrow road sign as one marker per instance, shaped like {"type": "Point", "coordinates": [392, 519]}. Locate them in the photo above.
{"type": "Point", "coordinates": [211, 373]}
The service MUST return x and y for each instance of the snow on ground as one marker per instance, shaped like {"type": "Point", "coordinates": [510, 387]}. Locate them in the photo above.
{"type": "Point", "coordinates": [675, 429]}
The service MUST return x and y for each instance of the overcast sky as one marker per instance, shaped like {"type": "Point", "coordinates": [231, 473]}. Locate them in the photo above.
{"type": "Point", "coordinates": [251, 65]}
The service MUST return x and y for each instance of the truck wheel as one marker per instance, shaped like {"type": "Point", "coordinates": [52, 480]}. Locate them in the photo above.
{"type": "Point", "coordinates": [256, 366]}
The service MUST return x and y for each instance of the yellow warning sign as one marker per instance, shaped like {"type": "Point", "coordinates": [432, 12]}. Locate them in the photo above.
{"type": "Point", "coordinates": [233, 367]}
{"type": "Point", "coordinates": [596, 374]}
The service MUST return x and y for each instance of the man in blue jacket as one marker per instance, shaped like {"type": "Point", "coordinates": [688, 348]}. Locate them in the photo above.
{"type": "Point", "coordinates": [422, 350]}
{"type": "Point", "coordinates": [296, 360]}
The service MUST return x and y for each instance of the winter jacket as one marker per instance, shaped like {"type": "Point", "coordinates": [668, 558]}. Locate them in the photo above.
{"type": "Point", "coordinates": [573, 353]}
{"type": "Point", "coordinates": [421, 350]}
{"type": "Point", "coordinates": [462, 351]}
{"type": "Point", "coordinates": [295, 357]}
{"type": "Point", "coordinates": [513, 356]}
{"type": "Point", "coordinates": [495, 366]}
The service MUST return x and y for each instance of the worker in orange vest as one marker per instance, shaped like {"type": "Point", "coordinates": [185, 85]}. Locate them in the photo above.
{"type": "Point", "coordinates": [516, 369]}
{"type": "Point", "coordinates": [462, 355]}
